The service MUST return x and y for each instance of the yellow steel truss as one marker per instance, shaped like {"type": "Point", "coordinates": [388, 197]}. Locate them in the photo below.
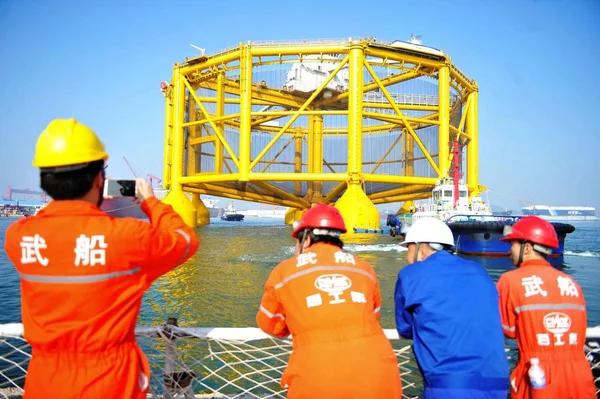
{"type": "Point", "coordinates": [215, 106]}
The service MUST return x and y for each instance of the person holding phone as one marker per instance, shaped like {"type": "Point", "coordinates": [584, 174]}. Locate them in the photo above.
{"type": "Point", "coordinates": [119, 188]}
{"type": "Point", "coordinates": [83, 272]}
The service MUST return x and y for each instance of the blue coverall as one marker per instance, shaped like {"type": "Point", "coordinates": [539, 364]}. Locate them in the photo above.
{"type": "Point", "coordinates": [449, 307]}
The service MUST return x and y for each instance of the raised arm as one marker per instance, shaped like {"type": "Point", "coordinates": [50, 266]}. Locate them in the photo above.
{"type": "Point", "coordinates": [170, 242]}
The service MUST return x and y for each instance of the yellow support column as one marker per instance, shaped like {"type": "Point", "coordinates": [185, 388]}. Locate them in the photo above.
{"type": "Point", "coordinates": [354, 205]}
{"type": "Point", "coordinates": [193, 157]}
{"type": "Point", "coordinates": [409, 165]}
{"type": "Point", "coordinates": [221, 124]}
{"type": "Point", "coordinates": [293, 214]}
{"type": "Point", "coordinates": [317, 147]}
{"type": "Point", "coordinates": [176, 197]}
{"type": "Point", "coordinates": [444, 117]}
{"type": "Point", "coordinates": [168, 145]}
{"type": "Point", "coordinates": [298, 161]}
{"type": "Point", "coordinates": [202, 212]}
{"type": "Point", "coordinates": [409, 154]}
{"type": "Point", "coordinates": [472, 146]}
{"type": "Point", "coordinates": [245, 111]}
{"type": "Point", "coordinates": [194, 162]}
{"type": "Point", "coordinates": [311, 155]}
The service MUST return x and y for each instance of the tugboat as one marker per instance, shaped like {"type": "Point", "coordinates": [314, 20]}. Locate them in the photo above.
{"type": "Point", "coordinates": [474, 237]}
{"type": "Point", "coordinates": [450, 199]}
{"type": "Point", "coordinates": [477, 231]}
{"type": "Point", "coordinates": [230, 214]}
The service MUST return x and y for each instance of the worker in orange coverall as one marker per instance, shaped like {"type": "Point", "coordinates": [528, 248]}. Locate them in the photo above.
{"type": "Point", "coordinates": [544, 310]}
{"type": "Point", "coordinates": [83, 272]}
{"type": "Point", "coordinates": [329, 301]}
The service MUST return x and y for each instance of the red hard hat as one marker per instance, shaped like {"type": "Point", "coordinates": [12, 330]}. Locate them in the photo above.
{"type": "Point", "coordinates": [535, 230]}
{"type": "Point", "coordinates": [321, 216]}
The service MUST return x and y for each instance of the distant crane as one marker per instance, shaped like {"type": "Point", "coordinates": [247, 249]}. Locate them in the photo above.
{"type": "Point", "coordinates": [10, 191]}
{"type": "Point", "coordinates": [130, 168]}
{"type": "Point", "coordinates": [150, 177]}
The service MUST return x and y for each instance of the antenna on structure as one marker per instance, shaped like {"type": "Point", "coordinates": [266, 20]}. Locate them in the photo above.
{"type": "Point", "coordinates": [415, 39]}
{"type": "Point", "coordinates": [201, 50]}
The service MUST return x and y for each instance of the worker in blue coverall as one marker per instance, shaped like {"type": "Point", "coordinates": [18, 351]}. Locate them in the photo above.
{"type": "Point", "coordinates": [448, 306]}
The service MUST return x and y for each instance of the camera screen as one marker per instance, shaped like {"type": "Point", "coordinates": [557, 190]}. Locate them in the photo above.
{"type": "Point", "coordinates": [127, 188]}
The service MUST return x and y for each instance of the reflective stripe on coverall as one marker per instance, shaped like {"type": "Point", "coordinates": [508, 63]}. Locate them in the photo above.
{"type": "Point", "coordinates": [544, 310]}
{"type": "Point", "coordinates": [83, 274]}
{"type": "Point", "coordinates": [329, 301]}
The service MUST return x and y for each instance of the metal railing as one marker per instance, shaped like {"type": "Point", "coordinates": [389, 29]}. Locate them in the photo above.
{"type": "Point", "coordinates": [223, 362]}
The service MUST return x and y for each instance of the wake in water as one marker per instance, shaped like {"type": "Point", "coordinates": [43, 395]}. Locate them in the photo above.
{"type": "Point", "coordinates": [361, 248]}
{"type": "Point", "coordinates": [289, 251]}
{"type": "Point", "coordinates": [354, 248]}
{"type": "Point", "coordinates": [587, 254]}
{"type": "Point", "coordinates": [374, 248]}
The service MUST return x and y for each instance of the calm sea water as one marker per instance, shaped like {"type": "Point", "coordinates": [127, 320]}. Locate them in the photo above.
{"type": "Point", "coordinates": [221, 286]}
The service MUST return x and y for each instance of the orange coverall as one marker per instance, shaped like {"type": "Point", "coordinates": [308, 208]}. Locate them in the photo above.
{"type": "Point", "coordinates": [544, 310]}
{"type": "Point", "coordinates": [83, 274]}
{"type": "Point", "coordinates": [329, 301]}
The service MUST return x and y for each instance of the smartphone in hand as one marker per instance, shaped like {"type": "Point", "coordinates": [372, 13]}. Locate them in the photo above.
{"type": "Point", "coordinates": [119, 188]}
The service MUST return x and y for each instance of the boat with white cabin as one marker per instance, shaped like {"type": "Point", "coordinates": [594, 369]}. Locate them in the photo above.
{"type": "Point", "coordinates": [476, 229]}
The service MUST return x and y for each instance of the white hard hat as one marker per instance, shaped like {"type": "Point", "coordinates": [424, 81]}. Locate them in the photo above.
{"type": "Point", "coordinates": [429, 230]}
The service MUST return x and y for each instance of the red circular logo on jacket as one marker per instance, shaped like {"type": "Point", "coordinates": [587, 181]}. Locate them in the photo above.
{"type": "Point", "coordinates": [333, 283]}
{"type": "Point", "coordinates": [557, 323]}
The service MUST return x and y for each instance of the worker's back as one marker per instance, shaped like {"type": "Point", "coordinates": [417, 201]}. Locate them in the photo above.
{"type": "Point", "coordinates": [330, 302]}
{"type": "Point", "coordinates": [545, 310]}
{"type": "Point", "coordinates": [83, 275]}
{"type": "Point", "coordinates": [456, 325]}
{"type": "Point", "coordinates": [342, 286]}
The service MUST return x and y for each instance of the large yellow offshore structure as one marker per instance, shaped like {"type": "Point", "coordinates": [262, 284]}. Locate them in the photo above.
{"type": "Point", "coordinates": [351, 122]}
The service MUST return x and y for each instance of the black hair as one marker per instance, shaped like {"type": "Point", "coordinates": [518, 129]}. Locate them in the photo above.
{"type": "Point", "coordinates": [321, 238]}
{"type": "Point", "coordinates": [70, 183]}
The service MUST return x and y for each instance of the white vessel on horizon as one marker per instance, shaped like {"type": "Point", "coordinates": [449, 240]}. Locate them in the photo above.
{"type": "Point", "coordinates": [265, 213]}
{"type": "Point", "coordinates": [562, 213]}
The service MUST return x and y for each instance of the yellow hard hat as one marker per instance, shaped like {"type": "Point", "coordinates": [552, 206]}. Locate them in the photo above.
{"type": "Point", "coordinates": [67, 142]}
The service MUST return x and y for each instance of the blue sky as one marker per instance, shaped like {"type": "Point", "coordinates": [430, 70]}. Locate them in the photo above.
{"type": "Point", "coordinates": [536, 64]}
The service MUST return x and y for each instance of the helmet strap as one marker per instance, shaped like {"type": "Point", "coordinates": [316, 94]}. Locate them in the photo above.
{"type": "Point", "coordinates": [416, 257]}
{"type": "Point", "coordinates": [101, 196]}
{"type": "Point", "coordinates": [542, 250]}
{"type": "Point", "coordinates": [521, 250]}
{"type": "Point", "coordinates": [304, 234]}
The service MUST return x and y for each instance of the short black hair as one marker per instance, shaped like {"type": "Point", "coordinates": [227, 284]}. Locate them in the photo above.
{"type": "Point", "coordinates": [70, 184]}
{"type": "Point", "coordinates": [321, 238]}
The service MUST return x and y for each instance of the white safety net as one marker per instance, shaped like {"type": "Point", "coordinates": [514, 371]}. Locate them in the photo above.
{"type": "Point", "coordinates": [220, 362]}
